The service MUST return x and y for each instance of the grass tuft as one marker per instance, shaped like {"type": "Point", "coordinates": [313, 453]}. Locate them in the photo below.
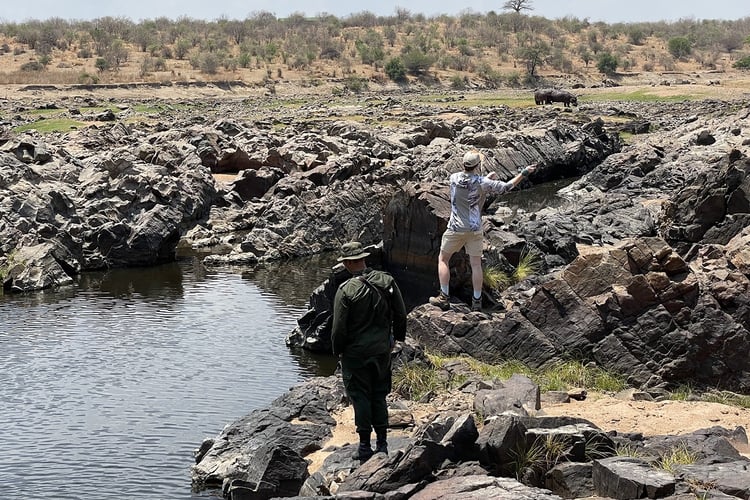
{"type": "Point", "coordinates": [679, 455]}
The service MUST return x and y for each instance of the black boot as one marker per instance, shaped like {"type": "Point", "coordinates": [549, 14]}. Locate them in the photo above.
{"type": "Point", "coordinates": [381, 445]}
{"type": "Point", "coordinates": [363, 453]}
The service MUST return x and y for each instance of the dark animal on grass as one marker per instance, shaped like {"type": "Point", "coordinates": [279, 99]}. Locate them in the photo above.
{"type": "Point", "coordinates": [562, 96]}
{"type": "Point", "coordinates": [541, 96]}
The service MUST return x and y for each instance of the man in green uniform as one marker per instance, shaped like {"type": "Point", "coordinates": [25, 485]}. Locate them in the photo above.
{"type": "Point", "coordinates": [368, 316]}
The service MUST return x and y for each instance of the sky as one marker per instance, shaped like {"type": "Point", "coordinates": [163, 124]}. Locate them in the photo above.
{"type": "Point", "coordinates": [609, 11]}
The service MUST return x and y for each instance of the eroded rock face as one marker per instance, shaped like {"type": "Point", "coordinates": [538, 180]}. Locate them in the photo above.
{"type": "Point", "coordinates": [636, 309]}
{"type": "Point", "coordinates": [61, 216]}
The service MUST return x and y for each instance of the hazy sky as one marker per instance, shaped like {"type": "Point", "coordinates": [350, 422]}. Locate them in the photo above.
{"type": "Point", "coordinates": [595, 10]}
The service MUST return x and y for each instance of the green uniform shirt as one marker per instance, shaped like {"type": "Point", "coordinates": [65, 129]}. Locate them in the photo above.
{"type": "Point", "coordinates": [362, 321]}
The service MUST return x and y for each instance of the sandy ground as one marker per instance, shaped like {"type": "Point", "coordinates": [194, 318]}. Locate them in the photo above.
{"type": "Point", "coordinates": [608, 413]}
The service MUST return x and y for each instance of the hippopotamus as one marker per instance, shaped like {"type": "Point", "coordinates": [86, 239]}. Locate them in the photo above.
{"type": "Point", "coordinates": [548, 96]}
{"type": "Point", "coordinates": [541, 96]}
{"type": "Point", "coordinates": [562, 96]}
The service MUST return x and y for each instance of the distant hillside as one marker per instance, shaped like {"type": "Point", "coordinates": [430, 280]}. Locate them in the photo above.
{"type": "Point", "coordinates": [472, 50]}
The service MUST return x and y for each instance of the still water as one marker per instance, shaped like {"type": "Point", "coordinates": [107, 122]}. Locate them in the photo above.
{"type": "Point", "coordinates": [107, 386]}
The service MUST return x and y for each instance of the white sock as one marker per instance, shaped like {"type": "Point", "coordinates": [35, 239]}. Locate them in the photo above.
{"type": "Point", "coordinates": [444, 289]}
{"type": "Point", "coordinates": [477, 294]}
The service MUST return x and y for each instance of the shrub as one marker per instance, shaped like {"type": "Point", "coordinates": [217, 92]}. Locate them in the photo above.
{"type": "Point", "coordinates": [396, 70]}
{"type": "Point", "coordinates": [209, 63]}
{"type": "Point", "coordinates": [32, 66]}
{"type": "Point", "coordinates": [355, 84]}
{"type": "Point", "coordinates": [679, 47]}
{"type": "Point", "coordinates": [607, 63]}
{"type": "Point", "coordinates": [743, 63]}
{"type": "Point", "coordinates": [458, 82]}
{"type": "Point", "coordinates": [87, 79]}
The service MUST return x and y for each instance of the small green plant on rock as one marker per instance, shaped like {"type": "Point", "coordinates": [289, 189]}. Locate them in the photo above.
{"type": "Point", "coordinates": [536, 460]}
{"type": "Point", "coordinates": [626, 450]}
{"type": "Point", "coordinates": [529, 264]}
{"type": "Point", "coordinates": [679, 455]}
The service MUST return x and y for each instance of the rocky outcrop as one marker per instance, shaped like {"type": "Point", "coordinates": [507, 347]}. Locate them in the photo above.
{"type": "Point", "coordinates": [62, 215]}
{"type": "Point", "coordinates": [637, 308]}
{"type": "Point", "coordinates": [514, 452]}
{"type": "Point", "coordinates": [267, 446]}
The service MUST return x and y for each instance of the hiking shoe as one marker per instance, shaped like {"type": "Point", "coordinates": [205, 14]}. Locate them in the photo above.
{"type": "Point", "coordinates": [476, 304]}
{"type": "Point", "coordinates": [442, 301]}
{"type": "Point", "coordinates": [363, 453]}
{"type": "Point", "coordinates": [381, 447]}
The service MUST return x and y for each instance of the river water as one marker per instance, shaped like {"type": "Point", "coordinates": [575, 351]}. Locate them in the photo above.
{"type": "Point", "coordinates": [107, 386]}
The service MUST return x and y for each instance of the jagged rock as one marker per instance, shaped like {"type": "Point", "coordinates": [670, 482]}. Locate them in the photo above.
{"type": "Point", "coordinates": [499, 440]}
{"type": "Point", "coordinates": [517, 394]}
{"type": "Point", "coordinates": [571, 480]}
{"type": "Point", "coordinates": [583, 442]}
{"type": "Point", "coordinates": [240, 446]}
{"type": "Point", "coordinates": [630, 309]}
{"type": "Point", "coordinates": [34, 268]}
{"type": "Point", "coordinates": [731, 478]}
{"type": "Point", "coordinates": [275, 471]}
{"type": "Point", "coordinates": [626, 478]}
{"type": "Point", "coordinates": [476, 487]}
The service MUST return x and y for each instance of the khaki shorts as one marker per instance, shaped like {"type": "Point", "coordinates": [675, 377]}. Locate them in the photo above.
{"type": "Point", "coordinates": [471, 240]}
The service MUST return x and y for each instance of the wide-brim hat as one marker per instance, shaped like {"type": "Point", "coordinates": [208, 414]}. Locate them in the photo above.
{"type": "Point", "coordinates": [352, 251]}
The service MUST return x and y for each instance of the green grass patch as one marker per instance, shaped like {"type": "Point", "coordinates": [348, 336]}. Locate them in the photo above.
{"type": "Point", "coordinates": [478, 101]}
{"type": "Point", "coordinates": [575, 374]}
{"type": "Point", "coordinates": [147, 108]}
{"type": "Point", "coordinates": [727, 398]}
{"type": "Point", "coordinates": [688, 393]}
{"type": "Point", "coordinates": [51, 125]}
{"type": "Point", "coordinates": [628, 450]}
{"type": "Point", "coordinates": [414, 381]}
{"type": "Point", "coordinates": [99, 109]}
{"type": "Point", "coordinates": [44, 112]}
{"type": "Point", "coordinates": [639, 96]}
{"type": "Point", "coordinates": [529, 264]}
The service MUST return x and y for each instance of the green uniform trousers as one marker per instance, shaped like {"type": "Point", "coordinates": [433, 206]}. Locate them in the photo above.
{"type": "Point", "coordinates": [367, 383]}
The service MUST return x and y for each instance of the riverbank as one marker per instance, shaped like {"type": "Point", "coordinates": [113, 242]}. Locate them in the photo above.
{"type": "Point", "coordinates": [608, 412]}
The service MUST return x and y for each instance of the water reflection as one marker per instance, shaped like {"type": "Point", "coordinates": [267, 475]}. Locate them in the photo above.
{"type": "Point", "coordinates": [108, 385]}
{"type": "Point", "coordinates": [293, 282]}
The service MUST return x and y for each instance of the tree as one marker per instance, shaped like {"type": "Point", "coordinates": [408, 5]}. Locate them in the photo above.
{"type": "Point", "coordinates": [607, 63]}
{"type": "Point", "coordinates": [679, 47]}
{"type": "Point", "coordinates": [534, 56]}
{"type": "Point", "coordinates": [396, 70]}
{"type": "Point", "coordinates": [518, 5]}
{"type": "Point", "coordinates": [415, 61]}
{"type": "Point", "coordinates": [586, 56]}
{"type": "Point", "coordinates": [101, 64]}
{"type": "Point", "coordinates": [370, 47]}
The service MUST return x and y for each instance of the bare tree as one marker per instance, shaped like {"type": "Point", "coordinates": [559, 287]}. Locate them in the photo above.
{"type": "Point", "coordinates": [518, 5]}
